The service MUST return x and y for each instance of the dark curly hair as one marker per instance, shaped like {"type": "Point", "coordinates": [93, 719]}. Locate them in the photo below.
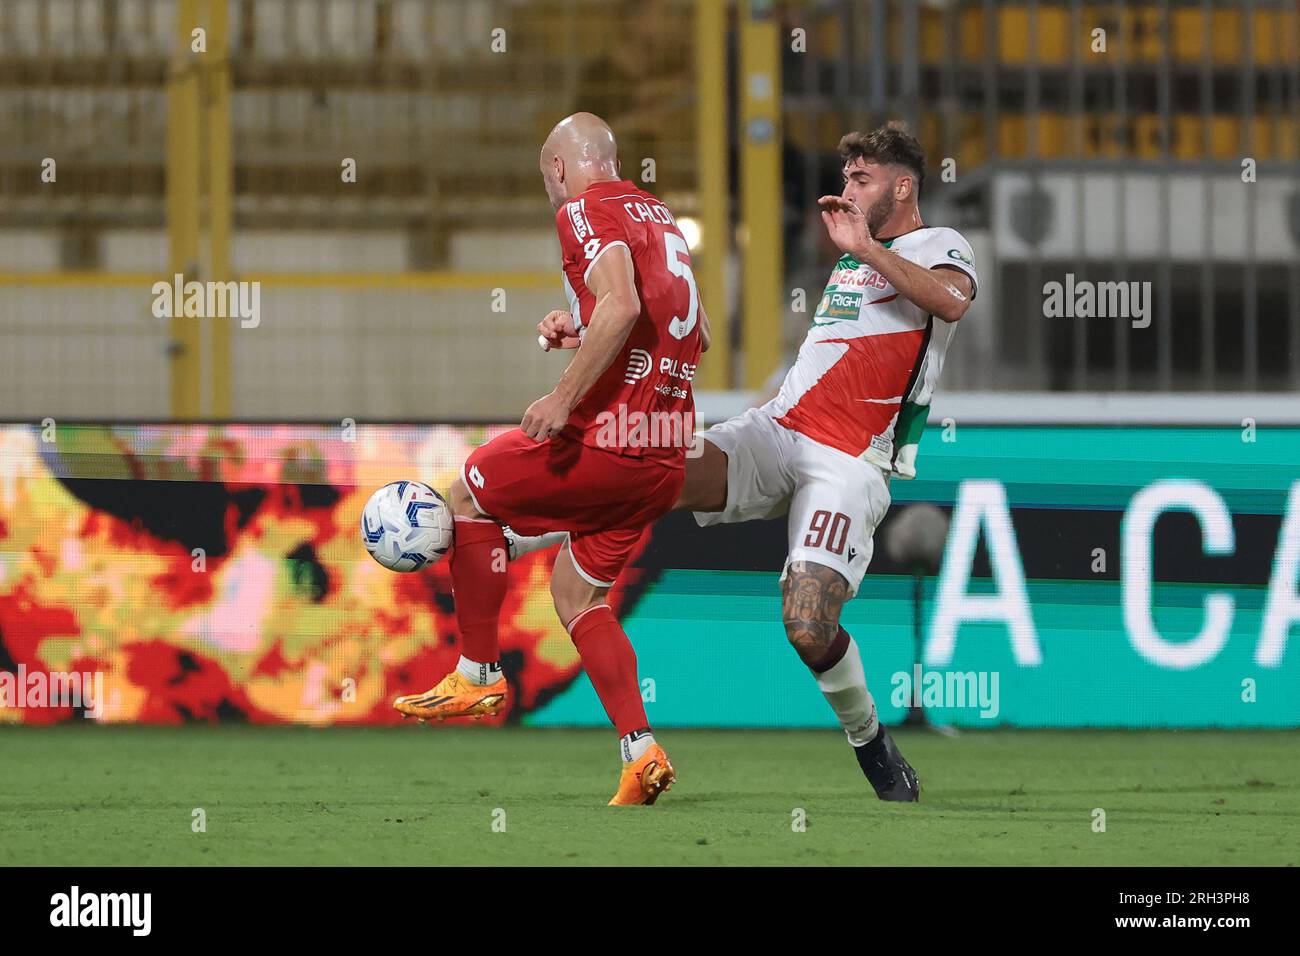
{"type": "Point", "coordinates": [889, 146]}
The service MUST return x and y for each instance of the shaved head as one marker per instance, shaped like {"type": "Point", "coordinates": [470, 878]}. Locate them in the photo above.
{"type": "Point", "coordinates": [579, 151]}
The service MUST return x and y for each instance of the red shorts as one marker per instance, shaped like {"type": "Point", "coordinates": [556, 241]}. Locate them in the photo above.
{"type": "Point", "coordinates": [604, 500]}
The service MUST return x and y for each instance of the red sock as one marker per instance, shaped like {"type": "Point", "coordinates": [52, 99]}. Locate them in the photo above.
{"type": "Point", "coordinates": [478, 581]}
{"type": "Point", "coordinates": [610, 663]}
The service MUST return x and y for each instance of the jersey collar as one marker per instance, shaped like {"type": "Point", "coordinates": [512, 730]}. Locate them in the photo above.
{"type": "Point", "coordinates": [849, 261]}
{"type": "Point", "coordinates": [624, 184]}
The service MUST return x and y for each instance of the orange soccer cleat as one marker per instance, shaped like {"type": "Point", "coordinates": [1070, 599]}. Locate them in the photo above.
{"type": "Point", "coordinates": [455, 697]}
{"type": "Point", "coordinates": [644, 779]}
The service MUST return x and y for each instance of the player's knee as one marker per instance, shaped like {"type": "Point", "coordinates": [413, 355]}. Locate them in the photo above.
{"type": "Point", "coordinates": [570, 593]}
{"type": "Point", "coordinates": [571, 600]}
{"type": "Point", "coordinates": [812, 596]}
{"type": "Point", "coordinates": [819, 644]}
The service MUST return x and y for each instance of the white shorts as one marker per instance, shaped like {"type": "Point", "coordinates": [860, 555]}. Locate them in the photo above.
{"type": "Point", "coordinates": [834, 501]}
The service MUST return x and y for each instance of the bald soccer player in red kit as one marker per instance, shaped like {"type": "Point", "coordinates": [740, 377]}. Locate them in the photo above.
{"type": "Point", "coordinates": [601, 457]}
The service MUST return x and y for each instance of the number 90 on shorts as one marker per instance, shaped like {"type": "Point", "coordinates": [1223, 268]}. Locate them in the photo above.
{"type": "Point", "coordinates": [833, 501]}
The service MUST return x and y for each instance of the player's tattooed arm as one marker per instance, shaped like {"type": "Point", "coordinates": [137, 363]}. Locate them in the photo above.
{"type": "Point", "coordinates": [813, 596]}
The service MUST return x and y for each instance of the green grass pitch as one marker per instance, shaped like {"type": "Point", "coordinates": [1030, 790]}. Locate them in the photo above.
{"type": "Point", "coordinates": [413, 795]}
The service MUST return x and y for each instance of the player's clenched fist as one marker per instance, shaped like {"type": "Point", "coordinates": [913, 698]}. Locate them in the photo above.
{"type": "Point", "coordinates": [546, 417]}
{"type": "Point", "coordinates": [558, 330]}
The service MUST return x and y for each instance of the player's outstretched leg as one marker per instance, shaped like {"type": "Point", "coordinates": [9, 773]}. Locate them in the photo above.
{"type": "Point", "coordinates": [476, 688]}
{"type": "Point", "coordinates": [610, 663]}
{"type": "Point", "coordinates": [813, 597]}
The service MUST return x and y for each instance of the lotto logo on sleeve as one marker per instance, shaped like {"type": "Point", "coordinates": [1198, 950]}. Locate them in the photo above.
{"type": "Point", "coordinates": [639, 362]}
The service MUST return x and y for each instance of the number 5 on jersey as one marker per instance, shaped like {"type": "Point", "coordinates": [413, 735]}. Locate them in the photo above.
{"type": "Point", "coordinates": [674, 249]}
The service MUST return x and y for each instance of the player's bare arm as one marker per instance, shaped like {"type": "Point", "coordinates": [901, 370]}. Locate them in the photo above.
{"type": "Point", "coordinates": [613, 282]}
{"type": "Point", "coordinates": [943, 292]}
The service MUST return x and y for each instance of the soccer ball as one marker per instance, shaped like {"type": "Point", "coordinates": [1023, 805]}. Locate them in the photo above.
{"type": "Point", "coordinates": [406, 526]}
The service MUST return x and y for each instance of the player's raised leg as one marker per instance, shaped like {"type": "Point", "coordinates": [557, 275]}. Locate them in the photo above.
{"type": "Point", "coordinates": [813, 596]}
{"type": "Point", "coordinates": [705, 485]}
{"type": "Point", "coordinates": [608, 658]}
{"type": "Point", "coordinates": [478, 559]}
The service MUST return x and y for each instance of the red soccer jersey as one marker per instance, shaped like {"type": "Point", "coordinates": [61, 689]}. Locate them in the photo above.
{"type": "Point", "coordinates": [642, 405]}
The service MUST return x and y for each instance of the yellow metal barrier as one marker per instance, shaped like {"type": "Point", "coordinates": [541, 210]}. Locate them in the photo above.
{"type": "Point", "coordinates": [760, 184]}
{"type": "Point", "coordinates": [216, 75]}
{"type": "Point", "coordinates": [711, 173]}
{"type": "Point", "coordinates": [183, 190]}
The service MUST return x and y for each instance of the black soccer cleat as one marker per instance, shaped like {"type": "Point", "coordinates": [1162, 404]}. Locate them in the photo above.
{"type": "Point", "coordinates": [891, 775]}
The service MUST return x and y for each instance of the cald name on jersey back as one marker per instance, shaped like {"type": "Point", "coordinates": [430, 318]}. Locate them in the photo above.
{"type": "Point", "coordinates": [647, 212]}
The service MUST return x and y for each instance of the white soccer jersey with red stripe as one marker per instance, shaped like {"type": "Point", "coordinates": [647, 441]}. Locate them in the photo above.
{"type": "Point", "coordinates": [864, 375]}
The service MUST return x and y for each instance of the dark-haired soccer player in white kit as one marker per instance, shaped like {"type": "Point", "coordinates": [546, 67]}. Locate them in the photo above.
{"type": "Point", "coordinates": [848, 416]}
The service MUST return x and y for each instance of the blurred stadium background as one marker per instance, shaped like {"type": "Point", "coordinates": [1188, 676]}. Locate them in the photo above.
{"type": "Point", "coordinates": [409, 296]}
{"type": "Point", "coordinates": [227, 164]}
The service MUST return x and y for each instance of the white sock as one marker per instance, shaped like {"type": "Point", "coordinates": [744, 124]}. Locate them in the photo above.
{"type": "Point", "coordinates": [845, 688]}
{"type": "Point", "coordinates": [477, 673]}
{"type": "Point", "coordinates": [633, 745]}
{"type": "Point", "coordinates": [518, 545]}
